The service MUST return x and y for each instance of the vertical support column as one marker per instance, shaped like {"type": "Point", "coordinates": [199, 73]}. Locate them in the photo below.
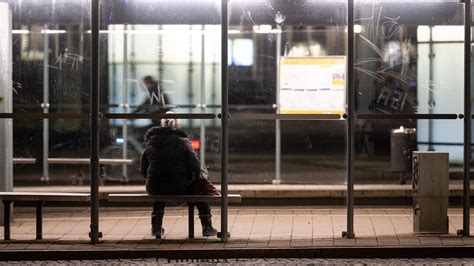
{"type": "Point", "coordinates": [45, 106]}
{"type": "Point", "coordinates": [190, 74]}
{"type": "Point", "coordinates": [6, 125]}
{"type": "Point", "coordinates": [350, 121]}
{"type": "Point", "coordinates": [277, 179]}
{"type": "Point", "coordinates": [39, 220]}
{"type": "Point", "coordinates": [431, 90]}
{"type": "Point", "coordinates": [203, 100]}
{"type": "Point", "coordinates": [224, 123]}
{"type": "Point", "coordinates": [94, 98]}
{"type": "Point", "coordinates": [125, 104]}
{"type": "Point", "coordinates": [467, 119]}
{"type": "Point", "coordinates": [190, 220]}
{"type": "Point", "coordinates": [6, 212]}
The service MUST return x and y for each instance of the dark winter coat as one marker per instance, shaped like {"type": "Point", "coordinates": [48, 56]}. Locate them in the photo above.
{"type": "Point", "coordinates": [168, 161]}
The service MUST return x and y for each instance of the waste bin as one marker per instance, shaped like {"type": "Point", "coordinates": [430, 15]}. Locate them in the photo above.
{"type": "Point", "coordinates": [430, 192]}
{"type": "Point", "coordinates": [403, 143]}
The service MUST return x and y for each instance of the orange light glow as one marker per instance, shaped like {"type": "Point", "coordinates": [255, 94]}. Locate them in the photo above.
{"type": "Point", "coordinates": [196, 144]}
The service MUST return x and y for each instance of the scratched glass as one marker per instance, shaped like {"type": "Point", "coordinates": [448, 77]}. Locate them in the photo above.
{"type": "Point", "coordinates": [260, 34]}
{"type": "Point", "coordinates": [408, 60]}
{"type": "Point", "coordinates": [409, 57]}
{"type": "Point", "coordinates": [159, 56]}
{"type": "Point", "coordinates": [51, 56]}
{"type": "Point", "coordinates": [48, 43]}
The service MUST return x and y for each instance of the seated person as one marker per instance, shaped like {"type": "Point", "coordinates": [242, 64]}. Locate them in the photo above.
{"type": "Point", "coordinates": [168, 164]}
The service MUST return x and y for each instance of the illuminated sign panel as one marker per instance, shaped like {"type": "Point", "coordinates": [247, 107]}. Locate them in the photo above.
{"type": "Point", "coordinates": [312, 85]}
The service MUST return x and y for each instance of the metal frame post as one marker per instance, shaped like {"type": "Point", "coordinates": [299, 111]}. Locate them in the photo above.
{"type": "Point", "coordinates": [6, 215]}
{"type": "Point", "coordinates": [467, 118]}
{"type": "Point", "coordinates": [224, 123]}
{"type": "Point", "coordinates": [191, 220]}
{"type": "Point", "coordinates": [431, 90]}
{"type": "Point", "coordinates": [202, 149]}
{"type": "Point", "coordinates": [125, 104]}
{"type": "Point", "coordinates": [39, 220]}
{"type": "Point", "coordinates": [190, 74]}
{"type": "Point", "coordinates": [94, 120]}
{"type": "Point", "coordinates": [277, 179]}
{"type": "Point", "coordinates": [45, 106]}
{"type": "Point", "coordinates": [6, 105]}
{"type": "Point", "coordinates": [350, 121]}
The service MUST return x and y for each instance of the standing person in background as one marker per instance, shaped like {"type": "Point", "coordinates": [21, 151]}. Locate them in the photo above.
{"type": "Point", "coordinates": [169, 163]}
{"type": "Point", "coordinates": [156, 102]}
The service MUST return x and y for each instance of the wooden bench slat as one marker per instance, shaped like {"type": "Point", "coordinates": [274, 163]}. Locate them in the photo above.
{"type": "Point", "coordinates": [45, 196]}
{"type": "Point", "coordinates": [235, 198]}
{"type": "Point", "coordinates": [86, 161]}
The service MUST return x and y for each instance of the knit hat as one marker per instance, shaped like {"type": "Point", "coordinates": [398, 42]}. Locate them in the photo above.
{"type": "Point", "coordinates": [170, 122]}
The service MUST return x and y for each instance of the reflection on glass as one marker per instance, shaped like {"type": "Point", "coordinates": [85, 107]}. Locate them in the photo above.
{"type": "Point", "coordinates": [275, 31]}
{"type": "Point", "coordinates": [242, 54]}
{"type": "Point", "coordinates": [159, 56]}
{"type": "Point", "coordinates": [183, 61]}
{"type": "Point", "coordinates": [409, 60]}
{"type": "Point", "coordinates": [68, 152]}
{"type": "Point", "coordinates": [50, 62]}
{"type": "Point", "coordinates": [51, 54]}
{"type": "Point", "coordinates": [385, 156]}
{"type": "Point", "coordinates": [296, 44]}
{"type": "Point", "coordinates": [126, 149]}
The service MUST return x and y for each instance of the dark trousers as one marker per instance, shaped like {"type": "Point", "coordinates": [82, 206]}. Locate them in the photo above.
{"type": "Point", "coordinates": [203, 208]}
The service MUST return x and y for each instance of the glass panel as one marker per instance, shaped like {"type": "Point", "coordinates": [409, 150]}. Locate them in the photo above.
{"type": "Point", "coordinates": [251, 152]}
{"type": "Point", "coordinates": [275, 31]}
{"type": "Point", "coordinates": [155, 64]}
{"type": "Point", "coordinates": [44, 66]}
{"type": "Point", "coordinates": [160, 63]}
{"type": "Point", "coordinates": [385, 174]}
{"type": "Point", "coordinates": [125, 154]}
{"type": "Point", "coordinates": [260, 32]}
{"type": "Point", "coordinates": [409, 60]}
{"type": "Point", "coordinates": [51, 55]}
{"type": "Point", "coordinates": [276, 50]}
{"type": "Point", "coordinates": [313, 152]}
{"type": "Point", "coordinates": [68, 153]}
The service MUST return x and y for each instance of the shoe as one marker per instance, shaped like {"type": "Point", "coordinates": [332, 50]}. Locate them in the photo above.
{"type": "Point", "coordinates": [153, 230]}
{"type": "Point", "coordinates": [158, 236]}
{"type": "Point", "coordinates": [156, 222]}
{"type": "Point", "coordinates": [207, 229]}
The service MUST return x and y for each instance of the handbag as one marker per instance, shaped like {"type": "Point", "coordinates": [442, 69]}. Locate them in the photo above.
{"type": "Point", "coordinates": [200, 184]}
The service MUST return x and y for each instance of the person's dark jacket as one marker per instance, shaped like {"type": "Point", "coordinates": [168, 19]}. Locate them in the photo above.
{"type": "Point", "coordinates": [168, 161]}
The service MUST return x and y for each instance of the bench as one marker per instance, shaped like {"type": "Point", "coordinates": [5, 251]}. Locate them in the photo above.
{"type": "Point", "coordinates": [37, 199]}
{"type": "Point", "coordinates": [190, 200]}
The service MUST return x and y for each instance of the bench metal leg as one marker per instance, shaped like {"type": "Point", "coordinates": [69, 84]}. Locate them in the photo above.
{"type": "Point", "coordinates": [6, 219]}
{"type": "Point", "coordinates": [39, 220]}
{"type": "Point", "coordinates": [191, 220]}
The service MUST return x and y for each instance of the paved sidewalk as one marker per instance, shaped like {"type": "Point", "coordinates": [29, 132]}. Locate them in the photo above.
{"type": "Point", "coordinates": [280, 227]}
